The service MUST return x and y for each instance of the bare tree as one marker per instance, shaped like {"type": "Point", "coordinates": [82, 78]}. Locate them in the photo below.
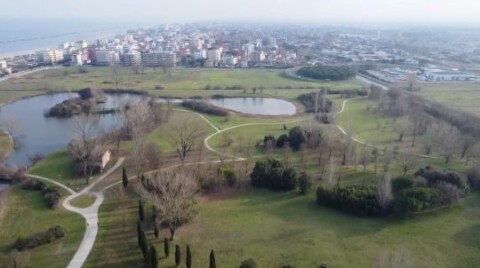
{"type": "Point", "coordinates": [387, 158]}
{"type": "Point", "coordinates": [83, 145]}
{"type": "Point", "coordinates": [467, 144]}
{"type": "Point", "coordinates": [13, 128]}
{"type": "Point", "coordinates": [116, 74]}
{"type": "Point", "coordinates": [138, 120]}
{"type": "Point", "coordinates": [173, 194]}
{"type": "Point", "coordinates": [402, 128]}
{"type": "Point", "coordinates": [384, 190]}
{"type": "Point", "coordinates": [364, 161]}
{"type": "Point", "coordinates": [153, 155]}
{"type": "Point", "coordinates": [185, 133]}
{"type": "Point", "coordinates": [407, 163]}
{"type": "Point", "coordinates": [286, 154]}
{"type": "Point", "coordinates": [448, 139]}
{"type": "Point", "coordinates": [330, 180]}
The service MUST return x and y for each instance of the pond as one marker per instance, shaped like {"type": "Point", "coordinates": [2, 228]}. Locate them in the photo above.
{"type": "Point", "coordinates": [256, 106]}
{"type": "Point", "coordinates": [44, 135]}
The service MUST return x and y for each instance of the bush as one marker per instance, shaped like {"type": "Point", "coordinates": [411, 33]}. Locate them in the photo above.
{"type": "Point", "coordinates": [282, 140]}
{"type": "Point", "coordinates": [401, 183]}
{"type": "Point", "coordinates": [229, 176]}
{"type": "Point", "coordinates": [473, 176]}
{"type": "Point", "coordinates": [355, 200]}
{"type": "Point", "coordinates": [204, 107]}
{"type": "Point", "coordinates": [330, 72]}
{"type": "Point", "coordinates": [417, 199]}
{"type": "Point", "coordinates": [267, 139]}
{"type": "Point", "coordinates": [304, 183]}
{"type": "Point", "coordinates": [309, 100]}
{"type": "Point", "coordinates": [249, 263]}
{"type": "Point", "coordinates": [39, 239]}
{"type": "Point", "coordinates": [433, 177]}
{"type": "Point", "coordinates": [51, 195]}
{"type": "Point", "coordinates": [271, 174]}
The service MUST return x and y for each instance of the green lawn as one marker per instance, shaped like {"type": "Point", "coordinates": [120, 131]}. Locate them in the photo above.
{"type": "Point", "coordinates": [27, 214]}
{"type": "Point", "coordinates": [463, 96]}
{"type": "Point", "coordinates": [265, 226]}
{"type": "Point", "coordinates": [83, 201]}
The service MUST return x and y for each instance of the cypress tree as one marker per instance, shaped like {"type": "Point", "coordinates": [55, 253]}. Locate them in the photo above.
{"type": "Point", "coordinates": [144, 244]}
{"type": "Point", "coordinates": [166, 247]}
{"type": "Point", "coordinates": [147, 259]}
{"type": "Point", "coordinates": [212, 259]}
{"type": "Point", "coordinates": [141, 211]}
{"type": "Point", "coordinates": [154, 214]}
{"type": "Point", "coordinates": [189, 257]}
{"type": "Point", "coordinates": [139, 232]}
{"type": "Point", "coordinates": [124, 178]}
{"type": "Point", "coordinates": [153, 256]}
{"type": "Point", "coordinates": [178, 255]}
{"type": "Point", "coordinates": [156, 231]}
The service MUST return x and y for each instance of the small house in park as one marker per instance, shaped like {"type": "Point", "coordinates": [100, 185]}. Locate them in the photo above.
{"type": "Point", "coordinates": [100, 159]}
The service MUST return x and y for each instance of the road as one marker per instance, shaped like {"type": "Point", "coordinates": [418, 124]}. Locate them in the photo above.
{"type": "Point", "coordinates": [20, 74]}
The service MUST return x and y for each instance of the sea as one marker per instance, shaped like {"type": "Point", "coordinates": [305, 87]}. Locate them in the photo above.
{"type": "Point", "coordinates": [19, 36]}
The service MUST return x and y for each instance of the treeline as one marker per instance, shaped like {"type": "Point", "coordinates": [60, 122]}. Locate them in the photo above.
{"type": "Point", "coordinates": [51, 195]}
{"type": "Point", "coordinates": [204, 107]}
{"type": "Point", "coordinates": [330, 72]}
{"type": "Point", "coordinates": [316, 102]}
{"type": "Point", "coordinates": [39, 239]}
{"type": "Point", "coordinates": [429, 189]}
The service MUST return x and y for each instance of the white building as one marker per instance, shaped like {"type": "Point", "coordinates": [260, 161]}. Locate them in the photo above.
{"type": "Point", "coordinates": [199, 55]}
{"type": "Point", "coordinates": [214, 55]}
{"type": "Point", "coordinates": [3, 64]}
{"type": "Point", "coordinates": [159, 59]}
{"type": "Point", "coordinates": [106, 57]}
{"type": "Point", "coordinates": [50, 56]}
{"type": "Point", "coordinates": [447, 75]}
{"type": "Point", "coordinates": [132, 58]}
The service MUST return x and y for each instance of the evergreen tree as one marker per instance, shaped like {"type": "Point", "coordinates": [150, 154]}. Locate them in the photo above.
{"type": "Point", "coordinates": [153, 256]}
{"type": "Point", "coordinates": [139, 232]}
{"type": "Point", "coordinates": [212, 259]}
{"type": "Point", "coordinates": [189, 257]}
{"type": "Point", "coordinates": [154, 214]}
{"type": "Point", "coordinates": [166, 247]}
{"type": "Point", "coordinates": [147, 259]}
{"type": "Point", "coordinates": [156, 231]}
{"type": "Point", "coordinates": [178, 255]}
{"type": "Point", "coordinates": [124, 178]}
{"type": "Point", "coordinates": [144, 244]}
{"type": "Point", "coordinates": [141, 211]}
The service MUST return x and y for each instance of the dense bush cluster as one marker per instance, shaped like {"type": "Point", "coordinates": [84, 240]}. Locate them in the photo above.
{"type": "Point", "coordinates": [272, 175]}
{"type": "Point", "coordinates": [51, 195]}
{"type": "Point", "coordinates": [331, 72]}
{"type": "Point", "coordinates": [473, 176]}
{"type": "Point", "coordinates": [355, 200]}
{"type": "Point", "coordinates": [310, 99]}
{"type": "Point", "coordinates": [430, 189]}
{"type": "Point", "coordinates": [39, 239]}
{"type": "Point", "coordinates": [204, 107]}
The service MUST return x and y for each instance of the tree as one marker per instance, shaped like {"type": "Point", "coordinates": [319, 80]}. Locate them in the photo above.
{"type": "Point", "coordinates": [185, 133]}
{"type": "Point", "coordinates": [248, 263]}
{"type": "Point", "coordinates": [13, 128]}
{"type": "Point", "coordinates": [467, 144]}
{"type": "Point", "coordinates": [141, 211]}
{"type": "Point", "coordinates": [364, 161]}
{"type": "Point", "coordinates": [384, 191]}
{"type": "Point", "coordinates": [296, 138]}
{"type": "Point", "coordinates": [407, 162]}
{"type": "Point", "coordinates": [305, 183]}
{"type": "Point", "coordinates": [166, 248]}
{"type": "Point", "coordinates": [156, 230]}
{"type": "Point", "coordinates": [173, 194]}
{"type": "Point", "coordinates": [212, 259]}
{"type": "Point", "coordinates": [142, 239]}
{"type": "Point", "coordinates": [450, 140]}
{"type": "Point", "coordinates": [153, 256]}
{"type": "Point", "coordinates": [83, 145]}
{"type": "Point", "coordinates": [124, 178]}
{"type": "Point", "coordinates": [189, 257]}
{"type": "Point", "coordinates": [178, 255]}
{"type": "Point", "coordinates": [153, 155]}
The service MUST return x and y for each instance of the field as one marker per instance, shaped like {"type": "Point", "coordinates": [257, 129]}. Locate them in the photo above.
{"type": "Point", "coordinates": [463, 96]}
{"type": "Point", "coordinates": [177, 82]}
{"type": "Point", "coordinates": [26, 214]}
{"type": "Point", "coordinates": [270, 227]}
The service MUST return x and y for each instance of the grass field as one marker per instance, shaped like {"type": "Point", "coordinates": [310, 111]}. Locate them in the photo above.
{"type": "Point", "coordinates": [463, 96]}
{"type": "Point", "coordinates": [27, 214]}
{"type": "Point", "coordinates": [269, 227]}
{"type": "Point", "coordinates": [83, 201]}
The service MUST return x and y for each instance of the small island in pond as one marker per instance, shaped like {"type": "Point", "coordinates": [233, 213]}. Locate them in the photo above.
{"type": "Point", "coordinates": [87, 102]}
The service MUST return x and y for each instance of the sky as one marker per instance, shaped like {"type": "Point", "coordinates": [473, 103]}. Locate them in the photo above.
{"type": "Point", "coordinates": [320, 11]}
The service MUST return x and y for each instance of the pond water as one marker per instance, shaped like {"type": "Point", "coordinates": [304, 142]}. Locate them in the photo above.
{"type": "Point", "coordinates": [258, 106]}
{"type": "Point", "coordinates": [44, 135]}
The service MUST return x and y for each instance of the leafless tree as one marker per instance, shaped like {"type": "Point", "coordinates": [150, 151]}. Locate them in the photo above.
{"type": "Point", "coordinates": [330, 179]}
{"type": "Point", "coordinates": [173, 194]}
{"type": "Point", "coordinates": [402, 127]}
{"type": "Point", "coordinates": [467, 144]}
{"type": "Point", "coordinates": [268, 148]}
{"type": "Point", "coordinates": [407, 163]}
{"type": "Point", "coordinates": [138, 120]}
{"type": "Point", "coordinates": [153, 155]}
{"type": "Point", "coordinates": [384, 190]}
{"type": "Point", "coordinates": [82, 146]}
{"type": "Point", "coordinates": [116, 74]}
{"type": "Point", "coordinates": [13, 128]}
{"type": "Point", "coordinates": [303, 156]}
{"type": "Point", "coordinates": [387, 158]}
{"type": "Point", "coordinates": [286, 154]}
{"type": "Point", "coordinates": [185, 133]}
{"type": "Point", "coordinates": [364, 161]}
{"type": "Point", "coordinates": [448, 139]}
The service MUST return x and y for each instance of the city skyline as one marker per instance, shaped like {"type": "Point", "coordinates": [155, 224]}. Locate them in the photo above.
{"type": "Point", "coordinates": [461, 12]}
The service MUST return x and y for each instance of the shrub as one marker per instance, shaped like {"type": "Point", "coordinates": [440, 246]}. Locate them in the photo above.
{"type": "Point", "coordinates": [51, 195]}
{"type": "Point", "coordinates": [310, 99]}
{"type": "Point", "coordinates": [229, 176]}
{"type": "Point", "coordinates": [353, 199]}
{"type": "Point", "coordinates": [204, 107]}
{"type": "Point", "coordinates": [417, 199]}
{"type": "Point", "coordinates": [296, 138]}
{"type": "Point", "coordinates": [39, 239]}
{"type": "Point", "coordinates": [433, 177]}
{"type": "Point", "coordinates": [159, 87]}
{"type": "Point", "coordinates": [304, 183]}
{"type": "Point", "coordinates": [282, 140]}
{"type": "Point", "coordinates": [473, 176]}
{"type": "Point", "coordinates": [271, 174]}
{"type": "Point", "coordinates": [401, 183]}
{"type": "Point", "coordinates": [249, 263]}
{"type": "Point", "coordinates": [268, 138]}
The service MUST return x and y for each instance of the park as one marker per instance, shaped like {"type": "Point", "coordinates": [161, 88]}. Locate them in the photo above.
{"type": "Point", "coordinates": [341, 137]}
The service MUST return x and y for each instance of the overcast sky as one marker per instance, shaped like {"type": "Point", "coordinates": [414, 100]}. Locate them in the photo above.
{"type": "Point", "coordinates": [324, 11]}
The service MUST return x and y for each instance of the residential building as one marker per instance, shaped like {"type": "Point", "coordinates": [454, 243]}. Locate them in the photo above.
{"type": "Point", "coordinates": [48, 56]}
{"type": "Point", "coordinates": [105, 57]}
{"type": "Point", "coordinates": [132, 58]}
{"type": "Point", "coordinates": [159, 58]}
